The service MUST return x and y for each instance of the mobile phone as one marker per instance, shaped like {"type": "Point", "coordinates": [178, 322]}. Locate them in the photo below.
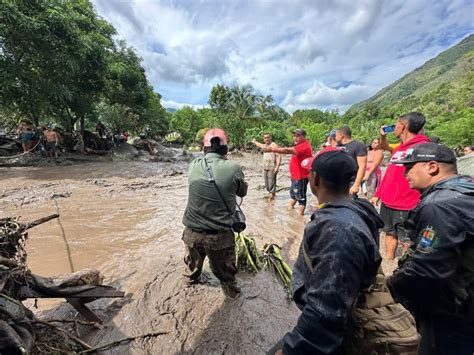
{"type": "Point", "coordinates": [388, 129]}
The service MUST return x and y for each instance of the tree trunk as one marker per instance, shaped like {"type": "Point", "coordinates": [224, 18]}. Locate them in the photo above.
{"type": "Point", "coordinates": [35, 119]}
{"type": "Point", "coordinates": [82, 125]}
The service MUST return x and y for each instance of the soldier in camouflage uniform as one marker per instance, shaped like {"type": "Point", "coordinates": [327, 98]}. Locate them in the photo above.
{"type": "Point", "coordinates": [207, 218]}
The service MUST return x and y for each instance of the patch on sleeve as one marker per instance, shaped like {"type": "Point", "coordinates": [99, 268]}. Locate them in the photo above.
{"type": "Point", "coordinates": [428, 235]}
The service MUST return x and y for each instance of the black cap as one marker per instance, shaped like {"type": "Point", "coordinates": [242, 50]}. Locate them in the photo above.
{"type": "Point", "coordinates": [335, 165]}
{"type": "Point", "coordinates": [299, 132]}
{"type": "Point", "coordinates": [426, 152]}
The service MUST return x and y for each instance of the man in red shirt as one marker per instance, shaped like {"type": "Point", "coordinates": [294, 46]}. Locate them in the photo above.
{"type": "Point", "coordinates": [394, 192]}
{"type": "Point", "coordinates": [299, 176]}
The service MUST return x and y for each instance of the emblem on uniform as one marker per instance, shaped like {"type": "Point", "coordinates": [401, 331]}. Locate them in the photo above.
{"type": "Point", "coordinates": [428, 235]}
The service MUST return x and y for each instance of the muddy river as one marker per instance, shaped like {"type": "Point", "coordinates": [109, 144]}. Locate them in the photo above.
{"type": "Point", "coordinates": [124, 218]}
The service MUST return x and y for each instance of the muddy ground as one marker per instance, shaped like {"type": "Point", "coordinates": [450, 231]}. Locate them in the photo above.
{"type": "Point", "coordinates": [124, 218]}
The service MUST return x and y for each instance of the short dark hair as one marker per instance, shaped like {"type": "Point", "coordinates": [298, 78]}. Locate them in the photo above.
{"type": "Point", "coordinates": [339, 188]}
{"type": "Point", "coordinates": [346, 131]}
{"type": "Point", "coordinates": [451, 167]}
{"type": "Point", "coordinates": [267, 134]}
{"type": "Point", "coordinates": [216, 147]}
{"type": "Point", "coordinates": [415, 120]}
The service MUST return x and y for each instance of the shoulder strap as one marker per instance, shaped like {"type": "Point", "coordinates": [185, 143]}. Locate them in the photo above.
{"type": "Point", "coordinates": [210, 177]}
{"type": "Point", "coordinates": [307, 259]}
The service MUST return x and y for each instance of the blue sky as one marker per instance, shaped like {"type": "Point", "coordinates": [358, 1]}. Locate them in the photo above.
{"type": "Point", "coordinates": [322, 54]}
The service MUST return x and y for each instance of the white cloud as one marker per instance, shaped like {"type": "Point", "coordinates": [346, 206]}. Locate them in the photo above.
{"type": "Point", "coordinates": [325, 53]}
{"type": "Point", "coordinates": [178, 105]}
{"type": "Point", "coordinates": [321, 95]}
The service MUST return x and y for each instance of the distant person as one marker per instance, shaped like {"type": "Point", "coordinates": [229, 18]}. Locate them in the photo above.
{"type": "Point", "coordinates": [125, 136]}
{"type": "Point", "coordinates": [435, 279]}
{"type": "Point", "coordinates": [331, 139]}
{"type": "Point", "coordinates": [214, 183]}
{"type": "Point", "coordinates": [394, 192]}
{"type": "Point", "coordinates": [271, 165]}
{"type": "Point", "coordinates": [466, 162]}
{"type": "Point", "coordinates": [79, 147]}
{"type": "Point", "coordinates": [100, 129]}
{"type": "Point", "coordinates": [373, 174]}
{"type": "Point", "coordinates": [338, 257]}
{"type": "Point", "coordinates": [52, 141]}
{"type": "Point", "coordinates": [299, 176]}
{"type": "Point", "coordinates": [356, 150]}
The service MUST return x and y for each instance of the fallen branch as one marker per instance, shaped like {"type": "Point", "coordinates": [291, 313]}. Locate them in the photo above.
{"type": "Point", "coordinates": [73, 337]}
{"type": "Point", "coordinates": [40, 221]}
{"type": "Point", "coordinates": [124, 340]}
{"type": "Point", "coordinates": [83, 322]}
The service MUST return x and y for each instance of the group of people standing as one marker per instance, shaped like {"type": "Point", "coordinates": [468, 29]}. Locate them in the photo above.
{"type": "Point", "coordinates": [45, 138]}
{"type": "Point", "coordinates": [424, 203]}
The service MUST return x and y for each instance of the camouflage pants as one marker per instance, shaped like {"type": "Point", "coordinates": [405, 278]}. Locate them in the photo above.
{"type": "Point", "coordinates": [219, 248]}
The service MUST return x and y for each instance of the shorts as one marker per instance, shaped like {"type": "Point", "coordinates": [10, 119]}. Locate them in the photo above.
{"type": "Point", "coordinates": [51, 147]}
{"type": "Point", "coordinates": [298, 191]}
{"type": "Point", "coordinates": [394, 221]}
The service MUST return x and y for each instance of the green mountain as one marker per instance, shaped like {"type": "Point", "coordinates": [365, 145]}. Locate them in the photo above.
{"type": "Point", "coordinates": [450, 66]}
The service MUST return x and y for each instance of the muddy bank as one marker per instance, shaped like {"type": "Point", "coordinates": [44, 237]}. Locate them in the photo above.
{"type": "Point", "coordinates": [124, 218]}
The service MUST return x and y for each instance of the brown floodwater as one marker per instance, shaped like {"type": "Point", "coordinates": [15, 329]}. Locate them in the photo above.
{"type": "Point", "coordinates": [124, 219]}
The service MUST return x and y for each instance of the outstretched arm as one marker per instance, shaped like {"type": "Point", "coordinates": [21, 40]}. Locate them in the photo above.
{"type": "Point", "coordinates": [260, 145]}
{"type": "Point", "coordinates": [281, 150]}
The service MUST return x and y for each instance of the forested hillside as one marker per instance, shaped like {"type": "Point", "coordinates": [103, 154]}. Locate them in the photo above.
{"type": "Point", "coordinates": [451, 66]}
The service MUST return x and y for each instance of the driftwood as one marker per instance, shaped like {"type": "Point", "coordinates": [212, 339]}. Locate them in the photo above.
{"type": "Point", "coordinates": [20, 331]}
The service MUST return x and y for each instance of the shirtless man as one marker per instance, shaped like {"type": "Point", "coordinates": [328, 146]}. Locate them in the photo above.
{"type": "Point", "coordinates": [271, 165]}
{"type": "Point", "coordinates": [52, 141]}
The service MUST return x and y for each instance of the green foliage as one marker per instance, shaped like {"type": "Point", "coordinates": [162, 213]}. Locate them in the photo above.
{"type": "Point", "coordinates": [60, 63]}
{"type": "Point", "coordinates": [449, 66]}
{"type": "Point", "coordinates": [187, 122]}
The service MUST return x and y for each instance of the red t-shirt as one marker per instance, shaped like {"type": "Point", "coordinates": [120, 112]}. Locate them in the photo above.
{"type": "Point", "coordinates": [394, 190]}
{"type": "Point", "coordinates": [303, 151]}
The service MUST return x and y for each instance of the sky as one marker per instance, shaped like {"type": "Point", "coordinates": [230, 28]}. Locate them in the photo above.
{"type": "Point", "coordinates": [325, 54]}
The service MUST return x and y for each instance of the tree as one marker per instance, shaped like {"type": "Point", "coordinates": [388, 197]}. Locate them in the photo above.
{"type": "Point", "coordinates": [54, 58]}
{"type": "Point", "coordinates": [187, 122]}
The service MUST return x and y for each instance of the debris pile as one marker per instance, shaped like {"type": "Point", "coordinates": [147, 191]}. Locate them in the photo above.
{"type": "Point", "coordinates": [161, 153]}
{"type": "Point", "coordinates": [20, 330]}
{"type": "Point", "coordinates": [9, 146]}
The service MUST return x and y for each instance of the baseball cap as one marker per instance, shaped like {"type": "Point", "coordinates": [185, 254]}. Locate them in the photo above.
{"type": "Point", "coordinates": [333, 165]}
{"type": "Point", "coordinates": [331, 134]}
{"type": "Point", "coordinates": [299, 132]}
{"type": "Point", "coordinates": [426, 152]}
{"type": "Point", "coordinates": [214, 133]}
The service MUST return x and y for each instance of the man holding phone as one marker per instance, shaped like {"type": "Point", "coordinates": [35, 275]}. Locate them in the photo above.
{"type": "Point", "coordinates": [394, 192]}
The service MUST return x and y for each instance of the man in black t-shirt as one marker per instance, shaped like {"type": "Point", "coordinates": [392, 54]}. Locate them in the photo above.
{"type": "Point", "coordinates": [355, 149]}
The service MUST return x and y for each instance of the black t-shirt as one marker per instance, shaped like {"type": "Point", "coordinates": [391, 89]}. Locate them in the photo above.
{"type": "Point", "coordinates": [355, 149]}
